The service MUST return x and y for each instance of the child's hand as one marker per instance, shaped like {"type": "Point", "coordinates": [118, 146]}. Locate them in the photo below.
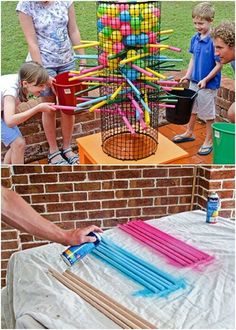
{"type": "Point", "coordinates": [45, 107]}
{"type": "Point", "coordinates": [184, 79]}
{"type": "Point", "coordinates": [202, 83]}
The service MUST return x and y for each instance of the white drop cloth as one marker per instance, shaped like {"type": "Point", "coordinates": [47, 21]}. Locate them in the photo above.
{"type": "Point", "coordinates": [34, 299]}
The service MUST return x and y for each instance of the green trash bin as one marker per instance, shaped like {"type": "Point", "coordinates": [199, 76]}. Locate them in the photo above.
{"type": "Point", "coordinates": [223, 143]}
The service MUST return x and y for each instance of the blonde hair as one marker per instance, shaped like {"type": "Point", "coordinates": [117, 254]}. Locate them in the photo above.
{"type": "Point", "coordinates": [32, 72]}
{"type": "Point", "coordinates": [204, 10]}
{"type": "Point", "coordinates": [225, 31]}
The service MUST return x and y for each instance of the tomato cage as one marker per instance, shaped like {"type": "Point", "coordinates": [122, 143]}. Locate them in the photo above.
{"type": "Point", "coordinates": [128, 35]}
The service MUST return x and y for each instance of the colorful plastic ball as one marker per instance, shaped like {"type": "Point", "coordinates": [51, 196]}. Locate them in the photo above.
{"type": "Point", "coordinates": [131, 74]}
{"type": "Point", "coordinates": [113, 64]}
{"type": "Point", "coordinates": [140, 63]}
{"type": "Point", "coordinates": [102, 8]}
{"type": "Point", "coordinates": [107, 46]}
{"type": "Point", "coordinates": [105, 19]}
{"type": "Point", "coordinates": [147, 13]}
{"type": "Point", "coordinates": [134, 10]}
{"type": "Point", "coordinates": [125, 29]}
{"type": "Point", "coordinates": [101, 38]}
{"type": "Point", "coordinates": [102, 59]}
{"type": "Point", "coordinates": [135, 23]}
{"type": "Point", "coordinates": [123, 6]}
{"type": "Point", "coordinates": [152, 36]}
{"type": "Point", "coordinates": [131, 53]}
{"type": "Point", "coordinates": [107, 31]}
{"type": "Point", "coordinates": [113, 10]}
{"type": "Point", "coordinates": [115, 23]}
{"type": "Point", "coordinates": [117, 47]}
{"type": "Point", "coordinates": [142, 39]}
{"type": "Point", "coordinates": [100, 26]}
{"type": "Point", "coordinates": [116, 36]}
{"type": "Point", "coordinates": [145, 26]}
{"type": "Point", "coordinates": [156, 12]}
{"type": "Point", "coordinates": [130, 40]}
{"type": "Point", "coordinates": [125, 16]}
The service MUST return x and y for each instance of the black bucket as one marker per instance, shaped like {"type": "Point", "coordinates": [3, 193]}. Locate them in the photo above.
{"type": "Point", "coordinates": [182, 112]}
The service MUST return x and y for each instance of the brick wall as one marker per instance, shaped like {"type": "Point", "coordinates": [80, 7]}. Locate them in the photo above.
{"type": "Point", "coordinates": [87, 123]}
{"type": "Point", "coordinates": [220, 179]}
{"type": "Point", "coordinates": [107, 195]}
{"type": "Point", "coordinates": [224, 99]}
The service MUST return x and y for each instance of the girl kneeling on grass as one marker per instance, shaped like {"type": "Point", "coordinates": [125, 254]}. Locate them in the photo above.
{"type": "Point", "coordinates": [32, 79]}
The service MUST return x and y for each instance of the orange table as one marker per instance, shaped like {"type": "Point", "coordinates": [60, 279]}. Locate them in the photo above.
{"type": "Point", "coordinates": [90, 152]}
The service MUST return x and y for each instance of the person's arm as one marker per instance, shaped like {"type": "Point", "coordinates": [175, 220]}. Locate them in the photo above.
{"type": "Point", "coordinates": [12, 118]}
{"type": "Point", "coordinates": [202, 83]}
{"type": "Point", "coordinates": [17, 213]}
{"type": "Point", "coordinates": [189, 71]}
{"type": "Point", "coordinates": [28, 29]}
{"type": "Point", "coordinates": [74, 33]}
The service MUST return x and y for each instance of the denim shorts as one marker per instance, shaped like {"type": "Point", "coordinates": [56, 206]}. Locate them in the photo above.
{"type": "Point", "coordinates": [9, 134]}
{"type": "Point", "coordinates": [53, 72]}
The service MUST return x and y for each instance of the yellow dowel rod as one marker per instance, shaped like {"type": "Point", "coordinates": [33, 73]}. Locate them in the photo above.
{"type": "Point", "coordinates": [114, 95]}
{"type": "Point", "coordinates": [97, 106]}
{"type": "Point", "coordinates": [92, 44]}
{"type": "Point", "coordinates": [134, 58]}
{"type": "Point", "coordinates": [84, 75]}
{"type": "Point", "coordinates": [166, 31]}
{"type": "Point", "coordinates": [156, 73]}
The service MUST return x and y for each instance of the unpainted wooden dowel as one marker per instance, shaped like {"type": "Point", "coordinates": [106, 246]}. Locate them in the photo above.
{"type": "Point", "coordinates": [142, 323]}
{"type": "Point", "coordinates": [106, 310]}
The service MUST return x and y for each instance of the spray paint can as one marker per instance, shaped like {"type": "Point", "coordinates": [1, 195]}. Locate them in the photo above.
{"type": "Point", "coordinates": [213, 206]}
{"type": "Point", "coordinates": [77, 252]}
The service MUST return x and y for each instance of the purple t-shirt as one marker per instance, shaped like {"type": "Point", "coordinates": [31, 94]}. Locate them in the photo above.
{"type": "Point", "coordinates": [51, 26]}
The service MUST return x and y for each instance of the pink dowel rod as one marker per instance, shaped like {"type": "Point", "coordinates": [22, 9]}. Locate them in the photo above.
{"type": "Point", "coordinates": [105, 79]}
{"type": "Point", "coordinates": [167, 247]}
{"type": "Point", "coordinates": [162, 105]}
{"type": "Point", "coordinates": [125, 119]}
{"type": "Point", "coordinates": [63, 107]}
{"type": "Point", "coordinates": [175, 49]}
{"type": "Point", "coordinates": [135, 104]}
{"type": "Point", "coordinates": [82, 99]}
{"type": "Point", "coordinates": [174, 240]}
{"type": "Point", "coordinates": [146, 73]}
{"type": "Point", "coordinates": [144, 240]}
{"type": "Point", "coordinates": [165, 244]}
{"type": "Point", "coordinates": [99, 67]}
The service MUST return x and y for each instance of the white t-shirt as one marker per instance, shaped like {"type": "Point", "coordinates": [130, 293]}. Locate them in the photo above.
{"type": "Point", "coordinates": [51, 26]}
{"type": "Point", "coordinates": [9, 86]}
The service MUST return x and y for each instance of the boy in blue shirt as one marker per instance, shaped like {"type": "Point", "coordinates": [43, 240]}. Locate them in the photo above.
{"type": "Point", "coordinates": [204, 75]}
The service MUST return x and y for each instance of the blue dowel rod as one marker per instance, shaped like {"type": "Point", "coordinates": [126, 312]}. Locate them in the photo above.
{"type": "Point", "coordinates": [134, 269]}
{"type": "Point", "coordinates": [146, 264]}
{"type": "Point", "coordinates": [124, 270]}
{"type": "Point", "coordinates": [157, 277]}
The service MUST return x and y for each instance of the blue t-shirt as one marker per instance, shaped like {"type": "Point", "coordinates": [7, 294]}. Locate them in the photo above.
{"type": "Point", "coordinates": [204, 60]}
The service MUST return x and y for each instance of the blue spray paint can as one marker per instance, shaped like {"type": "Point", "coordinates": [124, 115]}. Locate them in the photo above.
{"type": "Point", "coordinates": [77, 252]}
{"type": "Point", "coordinates": [213, 206]}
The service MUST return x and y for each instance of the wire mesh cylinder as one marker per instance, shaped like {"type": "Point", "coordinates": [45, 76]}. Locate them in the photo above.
{"type": "Point", "coordinates": [128, 34]}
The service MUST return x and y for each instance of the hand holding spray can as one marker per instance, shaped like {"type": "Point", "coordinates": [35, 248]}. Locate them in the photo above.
{"type": "Point", "coordinates": [77, 252]}
{"type": "Point", "coordinates": [213, 206]}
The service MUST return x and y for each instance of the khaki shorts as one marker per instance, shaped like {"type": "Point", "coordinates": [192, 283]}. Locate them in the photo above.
{"type": "Point", "coordinates": [204, 104]}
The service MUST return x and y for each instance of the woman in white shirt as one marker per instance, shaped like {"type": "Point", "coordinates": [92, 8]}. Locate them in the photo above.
{"type": "Point", "coordinates": [50, 30]}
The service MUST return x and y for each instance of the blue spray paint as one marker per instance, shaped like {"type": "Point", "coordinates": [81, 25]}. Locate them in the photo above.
{"type": "Point", "coordinates": [213, 206]}
{"type": "Point", "coordinates": [77, 252]}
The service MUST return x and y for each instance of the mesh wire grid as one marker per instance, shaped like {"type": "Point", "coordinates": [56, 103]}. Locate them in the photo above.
{"type": "Point", "coordinates": [129, 121]}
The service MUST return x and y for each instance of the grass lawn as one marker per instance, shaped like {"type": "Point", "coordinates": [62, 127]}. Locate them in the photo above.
{"type": "Point", "coordinates": [175, 15]}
